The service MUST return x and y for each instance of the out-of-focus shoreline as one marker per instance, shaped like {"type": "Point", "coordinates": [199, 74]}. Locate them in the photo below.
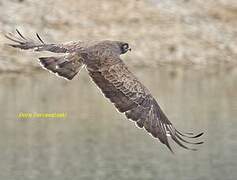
{"type": "Point", "coordinates": [161, 33]}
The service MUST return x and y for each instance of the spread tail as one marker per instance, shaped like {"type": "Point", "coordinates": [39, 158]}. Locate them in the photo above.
{"type": "Point", "coordinates": [65, 66]}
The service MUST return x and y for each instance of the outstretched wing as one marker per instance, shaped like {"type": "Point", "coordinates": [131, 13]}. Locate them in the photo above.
{"type": "Point", "coordinates": [132, 98]}
{"type": "Point", "coordinates": [27, 43]}
{"type": "Point", "coordinates": [66, 65]}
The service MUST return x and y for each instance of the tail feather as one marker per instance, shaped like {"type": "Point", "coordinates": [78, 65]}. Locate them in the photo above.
{"type": "Point", "coordinates": [65, 66]}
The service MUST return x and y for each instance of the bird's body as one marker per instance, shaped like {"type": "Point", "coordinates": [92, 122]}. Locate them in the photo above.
{"type": "Point", "coordinates": [112, 76]}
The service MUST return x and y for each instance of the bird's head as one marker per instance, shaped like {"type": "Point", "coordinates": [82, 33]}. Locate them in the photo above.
{"type": "Point", "coordinates": [124, 47]}
{"type": "Point", "coordinates": [117, 47]}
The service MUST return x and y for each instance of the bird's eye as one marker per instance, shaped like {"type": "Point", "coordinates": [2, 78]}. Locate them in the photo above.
{"type": "Point", "coordinates": [125, 46]}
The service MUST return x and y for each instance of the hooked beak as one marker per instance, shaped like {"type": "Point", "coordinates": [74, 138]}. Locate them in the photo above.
{"type": "Point", "coordinates": [130, 49]}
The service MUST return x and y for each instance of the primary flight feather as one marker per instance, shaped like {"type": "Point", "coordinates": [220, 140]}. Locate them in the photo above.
{"type": "Point", "coordinates": [112, 76]}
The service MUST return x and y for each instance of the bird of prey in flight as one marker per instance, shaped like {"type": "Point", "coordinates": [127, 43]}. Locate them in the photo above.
{"type": "Point", "coordinates": [109, 72]}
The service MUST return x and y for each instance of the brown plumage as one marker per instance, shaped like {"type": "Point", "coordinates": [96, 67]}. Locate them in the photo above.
{"type": "Point", "coordinates": [111, 75]}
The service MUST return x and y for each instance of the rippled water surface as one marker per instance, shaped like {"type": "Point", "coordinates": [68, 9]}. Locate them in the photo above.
{"type": "Point", "coordinates": [94, 141]}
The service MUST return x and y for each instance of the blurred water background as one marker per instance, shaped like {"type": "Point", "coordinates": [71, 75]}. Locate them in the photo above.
{"type": "Point", "coordinates": [183, 51]}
